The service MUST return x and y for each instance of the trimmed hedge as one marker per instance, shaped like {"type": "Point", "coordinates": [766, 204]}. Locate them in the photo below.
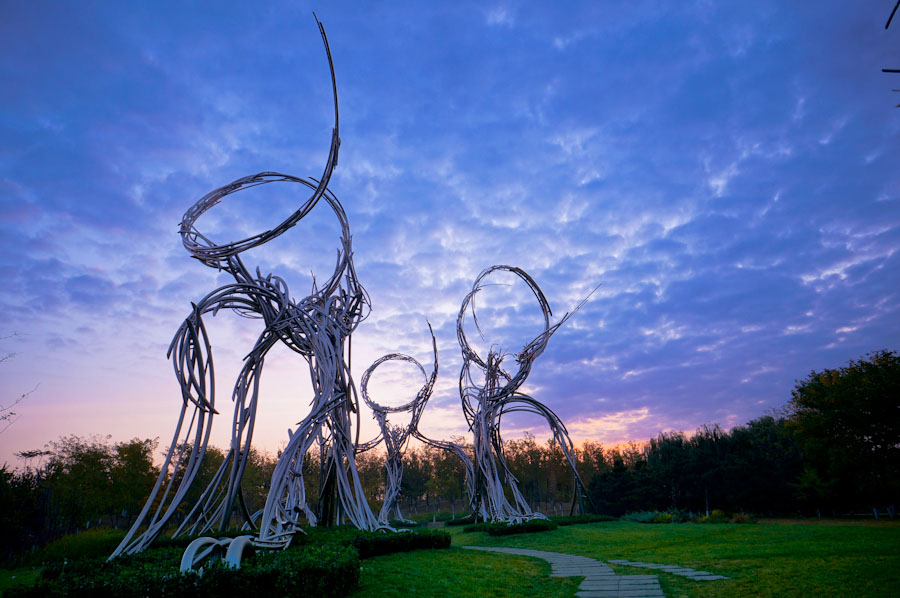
{"type": "Point", "coordinates": [579, 519]}
{"type": "Point", "coordinates": [90, 544]}
{"type": "Point", "coordinates": [325, 563]}
{"type": "Point", "coordinates": [501, 528]}
{"type": "Point", "coordinates": [329, 570]}
{"type": "Point", "coordinates": [467, 520]}
{"type": "Point", "coordinates": [371, 544]}
{"type": "Point", "coordinates": [404, 524]}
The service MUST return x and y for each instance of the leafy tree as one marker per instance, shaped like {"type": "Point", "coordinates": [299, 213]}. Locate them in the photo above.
{"type": "Point", "coordinates": [79, 473]}
{"type": "Point", "coordinates": [763, 461]}
{"type": "Point", "coordinates": [847, 423]}
{"type": "Point", "coordinates": [133, 474]}
{"type": "Point", "coordinates": [257, 479]}
{"type": "Point", "coordinates": [416, 473]}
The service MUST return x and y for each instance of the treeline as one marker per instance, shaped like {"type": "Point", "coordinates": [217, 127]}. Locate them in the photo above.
{"type": "Point", "coordinates": [835, 449]}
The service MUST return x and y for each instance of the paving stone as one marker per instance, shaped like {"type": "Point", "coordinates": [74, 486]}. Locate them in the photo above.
{"type": "Point", "coordinates": [617, 586]}
{"type": "Point", "coordinates": [672, 569]}
{"type": "Point", "coordinates": [600, 581]}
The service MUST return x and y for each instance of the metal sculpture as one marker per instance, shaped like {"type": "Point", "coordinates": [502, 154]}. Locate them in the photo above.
{"type": "Point", "coordinates": [318, 328]}
{"type": "Point", "coordinates": [395, 437]}
{"type": "Point", "coordinates": [488, 392]}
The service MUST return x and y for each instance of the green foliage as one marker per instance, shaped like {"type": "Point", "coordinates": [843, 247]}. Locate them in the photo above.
{"type": "Point", "coordinates": [655, 517]}
{"type": "Point", "coordinates": [580, 519]}
{"type": "Point", "coordinates": [84, 482]}
{"type": "Point", "coordinates": [847, 422]}
{"type": "Point", "coordinates": [329, 570]}
{"type": "Point", "coordinates": [20, 516]}
{"type": "Point", "coordinates": [640, 516]}
{"type": "Point", "coordinates": [716, 516]}
{"type": "Point", "coordinates": [325, 562]}
{"type": "Point", "coordinates": [89, 544]}
{"type": "Point", "coordinates": [404, 524]}
{"type": "Point", "coordinates": [751, 468]}
{"type": "Point", "coordinates": [465, 520]}
{"type": "Point", "coordinates": [500, 528]}
{"type": "Point", "coordinates": [371, 544]}
{"type": "Point", "coordinates": [666, 518]}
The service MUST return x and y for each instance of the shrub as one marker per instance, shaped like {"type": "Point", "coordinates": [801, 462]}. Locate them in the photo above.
{"type": "Point", "coordinates": [466, 520]}
{"type": "Point", "coordinates": [323, 563]}
{"type": "Point", "coordinates": [640, 516]}
{"type": "Point", "coordinates": [89, 544]}
{"type": "Point", "coordinates": [716, 516]}
{"type": "Point", "coordinates": [501, 528]}
{"type": "Point", "coordinates": [563, 520]}
{"type": "Point", "coordinates": [371, 544]}
{"type": "Point", "coordinates": [329, 570]}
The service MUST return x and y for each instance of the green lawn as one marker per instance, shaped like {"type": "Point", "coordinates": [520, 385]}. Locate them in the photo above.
{"type": "Point", "coordinates": [784, 560]}
{"type": "Point", "coordinates": [25, 576]}
{"type": "Point", "coordinates": [762, 560]}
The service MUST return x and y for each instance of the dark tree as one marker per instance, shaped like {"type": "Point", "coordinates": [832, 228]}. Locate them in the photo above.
{"type": "Point", "coordinates": [847, 423]}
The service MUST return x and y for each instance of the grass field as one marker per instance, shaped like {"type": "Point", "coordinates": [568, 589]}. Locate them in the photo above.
{"type": "Point", "coordinates": [820, 561]}
{"type": "Point", "coordinates": [781, 558]}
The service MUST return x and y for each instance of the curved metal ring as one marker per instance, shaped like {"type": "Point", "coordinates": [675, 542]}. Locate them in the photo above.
{"type": "Point", "coordinates": [363, 384]}
{"type": "Point", "coordinates": [467, 350]}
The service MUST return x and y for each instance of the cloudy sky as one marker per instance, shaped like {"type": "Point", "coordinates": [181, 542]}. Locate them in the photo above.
{"type": "Point", "coordinates": [726, 171]}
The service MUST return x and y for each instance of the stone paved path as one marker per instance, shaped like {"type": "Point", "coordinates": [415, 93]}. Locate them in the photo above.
{"type": "Point", "coordinates": [600, 581]}
{"type": "Point", "coordinates": [674, 569]}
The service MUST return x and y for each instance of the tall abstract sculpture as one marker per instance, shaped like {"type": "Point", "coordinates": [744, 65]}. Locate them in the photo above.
{"type": "Point", "coordinates": [488, 392]}
{"type": "Point", "coordinates": [317, 328]}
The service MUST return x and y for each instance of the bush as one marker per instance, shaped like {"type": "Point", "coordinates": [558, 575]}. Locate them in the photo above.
{"type": "Point", "coordinates": [717, 516]}
{"type": "Point", "coordinates": [328, 570]}
{"type": "Point", "coordinates": [404, 524]}
{"type": "Point", "coordinates": [640, 516]}
{"type": "Point", "coordinates": [325, 562]}
{"type": "Point", "coordinates": [465, 520]}
{"type": "Point", "coordinates": [501, 528]}
{"type": "Point", "coordinates": [564, 520]}
{"type": "Point", "coordinates": [371, 544]}
{"type": "Point", "coordinates": [656, 516]}
{"type": "Point", "coordinates": [89, 544]}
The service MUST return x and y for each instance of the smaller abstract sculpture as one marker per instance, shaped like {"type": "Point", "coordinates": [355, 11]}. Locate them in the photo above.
{"type": "Point", "coordinates": [395, 437]}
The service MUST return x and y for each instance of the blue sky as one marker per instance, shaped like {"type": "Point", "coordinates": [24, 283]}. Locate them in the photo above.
{"type": "Point", "coordinates": [727, 172]}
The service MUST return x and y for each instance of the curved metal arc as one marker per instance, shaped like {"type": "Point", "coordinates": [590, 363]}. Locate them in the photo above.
{"type": "Point", "coordinates": [211, 253]}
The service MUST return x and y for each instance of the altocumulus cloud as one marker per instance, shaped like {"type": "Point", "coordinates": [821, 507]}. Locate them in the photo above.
{"type": "Point", "coordinates": [725, 172]}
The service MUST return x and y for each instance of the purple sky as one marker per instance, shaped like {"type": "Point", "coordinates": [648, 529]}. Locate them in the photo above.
{"type": "Point", "coordinates": [726, 171]}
